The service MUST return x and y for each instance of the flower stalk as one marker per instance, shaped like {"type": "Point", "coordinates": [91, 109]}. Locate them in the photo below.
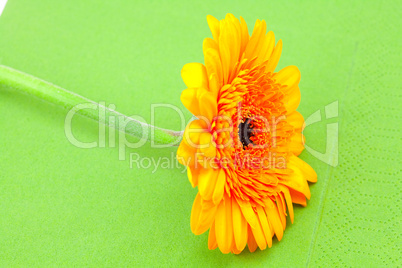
{"type": "Point", "coordinates": [28, 84]}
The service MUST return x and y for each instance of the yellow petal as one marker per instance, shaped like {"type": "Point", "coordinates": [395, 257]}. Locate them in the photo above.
{"type": "Point", "coordinates": [206, 182]}
{"type": "Point", "coordinates": [248, 212]}
{"type": "Point", "coordinates": [195, 212]}
{"type": "Point", "coordinates": [289, 76]}
{"type": "Point", "coordinates": [296, 144]}
{"type": "Point", "coordinates": [200, 102]}
{"type": "Point", "coordinates": [244, 35]}
{"type": "Point", "coordinates": [208, 105]}
{"type": "Point", "coordinates": [207, 147]}
{"type": "Point", "coordinates": [186, 154]}
{"type": "Point", "coordinates": [273, 217]}
{"type": "Point", "coordinates": [214, 85]}
{"type": "Point", "coordinates": [292, 100]}
{"type": "Point", "coordinates": [239, 226]}
{"type": "Point", "coordinates": [195, 75]}
{"type": "Point", "coordinates": [281, 209]}
{"type": "Point", "coordinates": [213, 64]}
{"type": "Point", "coordinates": [192, 175]}
{"type": "Point", "coordinates": [256, 42]}
{"type": "Point", "coordinates": [288, 199]}
{"type": "Point", "coordinates": [229, 46]}
{"type": "Point", "coordinates": [265, 225]}
{"type": "Point", "coordinates": [213, 24]}
{"type": "Point", "coordinates": [205, 139]}
{"type": "Point", "coordinates": [209, 151]}
{"type": "Point", "coordinates": [189, 99]}
{"type": "Point", "coordinates": [274, 59]}
{"type": "Point", "coordinates": [305, 168]}
{"type": "Point", "coordinates": [219, 187]}
{"type": "Point", "coordinates": [225, 60]}
{"type": "Point", "coordinates": [259, 236]}
{"type": "Point", "coordinates": [206, 217]}
{"type": "Point", "coordinates": [223, 226]}
{"type": "Point", "coordinates": [289, 202]}
{"type": "Point", "coordinates": [267, 47]}
{"type": "Point", "coordinates": [193, 132]}
{"type": "Point", "coordinates": [237, 28]}
{"type": "Point", "coordinates": [296, 120]}
{"type": "Point", "coordinates": [209, 43]}
{"type": "Point", "coordinates": [296, 181]}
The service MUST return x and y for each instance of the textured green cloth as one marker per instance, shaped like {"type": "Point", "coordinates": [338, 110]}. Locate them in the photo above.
{"type": "Point", "coordinates": [65, 206]}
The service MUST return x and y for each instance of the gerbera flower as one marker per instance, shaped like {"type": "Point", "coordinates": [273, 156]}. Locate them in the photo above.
{"type": "Point", "coordinates": [242, 149]}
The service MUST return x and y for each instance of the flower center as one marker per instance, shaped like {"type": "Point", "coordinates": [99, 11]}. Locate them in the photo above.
{"type": "Point", "coordinates": [246, 132]}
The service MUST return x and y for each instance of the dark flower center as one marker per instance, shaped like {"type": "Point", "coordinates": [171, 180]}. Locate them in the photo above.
{"type": "Point", "coordinates": [245, 132]}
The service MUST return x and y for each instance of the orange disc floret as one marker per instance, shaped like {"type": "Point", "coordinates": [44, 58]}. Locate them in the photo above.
{"type": "Point", "coordinates": [242, 150]}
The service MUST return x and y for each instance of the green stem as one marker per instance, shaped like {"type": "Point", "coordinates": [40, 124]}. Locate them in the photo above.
{"type": "Point", "coordinates": [46, 91]}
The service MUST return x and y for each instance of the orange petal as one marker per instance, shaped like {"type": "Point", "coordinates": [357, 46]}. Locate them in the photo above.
{"type": "Point", "coordinates": [298, 197]}
{"type": "Point", "coordinates": [251, 243]}
{"type": "Point", "coordinates": [235, 250]}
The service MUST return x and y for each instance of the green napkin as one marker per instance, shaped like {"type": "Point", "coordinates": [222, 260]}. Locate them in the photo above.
{"type": "Point", "coordinates": [66, 206]}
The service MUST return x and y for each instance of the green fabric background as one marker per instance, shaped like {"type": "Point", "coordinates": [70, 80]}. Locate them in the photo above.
{"type": "Point", "coordinates": [65, 206]}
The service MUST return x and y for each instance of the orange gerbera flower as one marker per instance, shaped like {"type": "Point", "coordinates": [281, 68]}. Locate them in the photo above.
{"type": "Point", "coordinates": [242, 149]}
